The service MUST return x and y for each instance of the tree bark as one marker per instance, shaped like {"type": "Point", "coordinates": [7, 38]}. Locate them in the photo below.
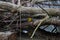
{"type": "Point", "coordinates": [53, 21]}
{"type": "Point", "coordinates": [8, 6]}
{"type": "Point", "coordinates": [31, 10]}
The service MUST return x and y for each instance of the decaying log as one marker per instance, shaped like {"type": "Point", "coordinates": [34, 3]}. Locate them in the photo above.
{"type": "Point", "coordinates": [8, 6]}
{"type": "Point", "coordinates": [2, 10]}
{"type": "Point", "coordinates": [32, 10]}
{"type": "Point", "coordinates": [53, 21]}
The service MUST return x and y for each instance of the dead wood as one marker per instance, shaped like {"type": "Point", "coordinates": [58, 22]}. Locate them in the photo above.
{"type": "Point", "coordinates": [7, 6]}
{"type": "Point", "coordinates": [53, 21]}
{"type": "Point", "coordinates": [31, 10]}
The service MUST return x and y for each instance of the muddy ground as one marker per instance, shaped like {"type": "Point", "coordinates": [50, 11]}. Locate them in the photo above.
{"type": "Point", "coordinates": [40, 35]}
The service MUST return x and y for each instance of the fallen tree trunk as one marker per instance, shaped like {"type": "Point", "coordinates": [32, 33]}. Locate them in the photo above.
{"type": "Point", "coordinates": [8, 6]}
{"type": "Point", "coordinates": [31, 10]}
{"type": "Point", "coordinates": [53, 21]}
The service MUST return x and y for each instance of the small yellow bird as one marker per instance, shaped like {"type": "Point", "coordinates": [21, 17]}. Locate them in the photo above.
{"type": "Point", "coordinates": [29, 19]}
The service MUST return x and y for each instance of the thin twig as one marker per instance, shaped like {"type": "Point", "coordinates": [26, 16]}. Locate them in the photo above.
{"type": "Point", "coordinates": [39, 25]}
{"type": "Point", "coordinates": [12, 21]}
